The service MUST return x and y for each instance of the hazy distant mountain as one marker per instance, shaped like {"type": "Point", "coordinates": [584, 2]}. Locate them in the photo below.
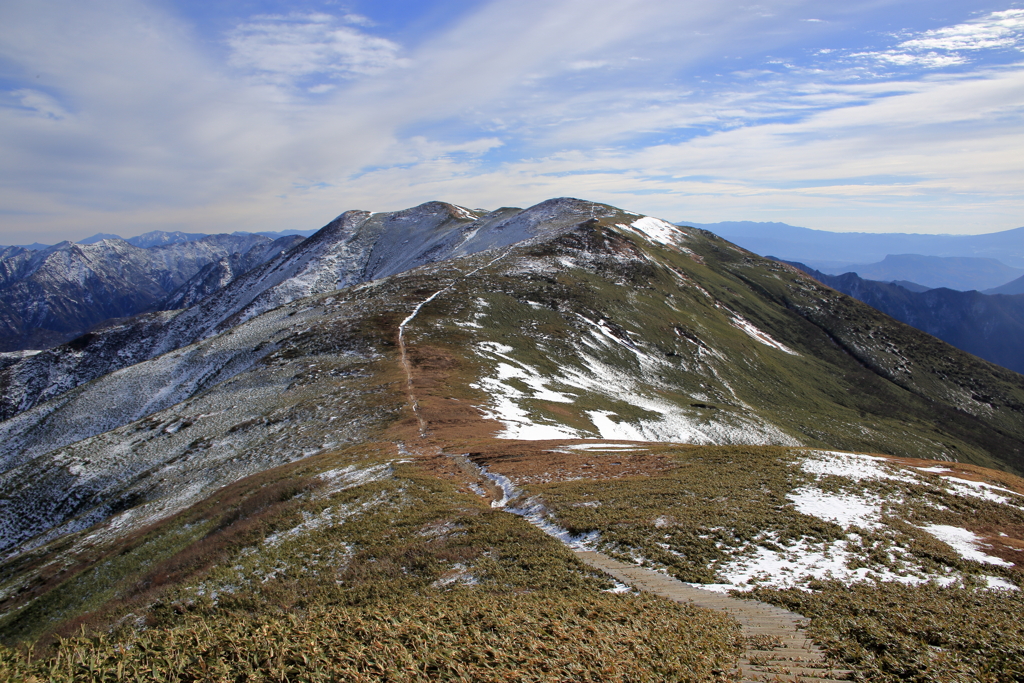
{"type": "Point", "coordinates": [962, 273]}
{"type": "Point", "coordinates": [805, 245]}
{"type": "Point", "coordinates": [99, 237]}
{"type": "Point", "coordinates": [912, 286]}
{"type": "Point", "coordinates": [1013, 287]}
{"type": "Point", "coordinates": [990, 327]}
{"type": "Point", "coordinates": [35, 246]}
{"type": "Point", "coordinates": [279, 233]}
{"type": "Point", "coordinates": [157, 238]}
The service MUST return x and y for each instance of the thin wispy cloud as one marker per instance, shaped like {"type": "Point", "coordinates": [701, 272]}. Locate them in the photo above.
{"type": "Point", "coordinates": [289, 49]}
{"type": "Point", "coordinates": [119, 116]}
{"type": "Point", "coordinates": [952, 45]}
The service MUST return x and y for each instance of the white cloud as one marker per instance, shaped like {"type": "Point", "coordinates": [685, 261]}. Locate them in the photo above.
{"type": "Point", "coordinates": [584, 64]}
{"type": "Point", "coordinates": [40, 103]}
{"type": "Point", "coordinates": [285, 48]}
{"type": "Point", "coordinates": [998, 30]}
{"type": "Point", "coordinates": [511, 104]}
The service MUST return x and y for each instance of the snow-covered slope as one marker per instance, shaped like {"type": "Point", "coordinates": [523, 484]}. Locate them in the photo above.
{"type": "Point", "coordinates": [356, 247]}
{"type": "Point", "coordinates": [53, 295]}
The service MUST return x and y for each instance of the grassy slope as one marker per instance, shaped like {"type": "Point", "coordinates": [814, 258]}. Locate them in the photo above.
{"type": "Point", "coordinates": [723, 503]}
{"type": "Point", "coordinates": [861, 381]}
{"type": "Point", "coordinates": [410, 580]}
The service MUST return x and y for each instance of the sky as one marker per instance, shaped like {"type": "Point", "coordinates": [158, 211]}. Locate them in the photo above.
{"type": "Point", "coordinates": [125, 116]}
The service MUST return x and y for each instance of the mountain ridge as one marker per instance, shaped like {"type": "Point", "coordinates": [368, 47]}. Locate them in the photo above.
{"type": "Point", "coordinates": [985, 325]}
{"type": "Point", "coordinates": [977, 405]}
{"type": "Point", "coordinates": [55, 294]}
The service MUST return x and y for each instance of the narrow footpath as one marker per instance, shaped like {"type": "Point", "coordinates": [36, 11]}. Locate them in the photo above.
{"type": "Point", "coordinates": [776, 648]}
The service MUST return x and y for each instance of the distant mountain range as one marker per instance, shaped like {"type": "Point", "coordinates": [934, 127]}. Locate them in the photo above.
{"type": "Point", "coordinates": [159, 238]}
{"type": "Point", "coordinates": [963, 273]}
{"type": "Point", "coordinates": [839, 251]}
{"type": "Point", "coordinates": [989, 326]}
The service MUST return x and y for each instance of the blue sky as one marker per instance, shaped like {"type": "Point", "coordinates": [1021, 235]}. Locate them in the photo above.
{"type": "Point", "coordinates": [126, 116]}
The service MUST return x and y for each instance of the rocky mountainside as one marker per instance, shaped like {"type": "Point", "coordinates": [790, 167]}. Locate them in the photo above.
{"type": "Point", "coordinates": [356, 247]}
{"type": "Point", "coordinates": [989, 326]}
{"type": "Point", "coordinates": [429, 414]}
{"type": "Point", "coordinates": [50, 296]}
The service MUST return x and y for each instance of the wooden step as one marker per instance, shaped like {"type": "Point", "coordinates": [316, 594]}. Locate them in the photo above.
{"type": "Point", "coordinates": [797, 658]}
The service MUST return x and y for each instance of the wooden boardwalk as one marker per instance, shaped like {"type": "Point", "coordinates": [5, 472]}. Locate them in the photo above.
{"type": "Point", "coordinates": [777, 649]}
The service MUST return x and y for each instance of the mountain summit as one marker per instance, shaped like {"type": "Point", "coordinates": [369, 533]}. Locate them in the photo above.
{"type": "Point", "coordinates": [353, 420]}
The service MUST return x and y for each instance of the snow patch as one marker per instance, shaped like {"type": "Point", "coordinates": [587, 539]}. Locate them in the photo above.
{"type": "Point", "coordinates": [804, 561]}
{"type": "Point", "coordinates": [998, 583]}
{"type": "Point", "coordinates": [657, 230]}
{"type": "Point", "coordinates": [338, 480]}
{"type": "Point", "coordinates": [606, 447]}
{"type": "Point", "coordinates": [856, 466]}
{"type": "Point", "coordinates": [759, 336]}
{"type": "Point", "coordinates": [328, 517]}
{"type": "Point", "coordinates": [843, 509]}
{"type": "Point", "coordinates": [669, 422]}
{"type": "Point", "coordinates": [964, 542]}
{"type": "Point", "coordinates": [979, 489]}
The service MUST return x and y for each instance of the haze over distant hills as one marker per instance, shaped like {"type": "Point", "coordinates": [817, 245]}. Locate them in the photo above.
{"type": "Point", "coordinates": [989, 326]}
{"type": "Point", "coordinates": [963, 273]}
{"type": "Point", "coordinates": [821, 247]}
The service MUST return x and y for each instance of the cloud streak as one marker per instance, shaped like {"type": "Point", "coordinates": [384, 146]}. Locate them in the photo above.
{"type": "Point", "coordinates": [285, 49]}
{"type": "Point", "coordinates": [123, 120]}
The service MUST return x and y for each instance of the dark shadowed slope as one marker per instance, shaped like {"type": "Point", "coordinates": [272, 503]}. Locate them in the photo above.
{"type": "Point", "coordinates": [989, 326]}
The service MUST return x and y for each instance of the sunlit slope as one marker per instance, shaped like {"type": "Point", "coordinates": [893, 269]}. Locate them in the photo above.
{"type": "Point", "coordinates": [355, 564]}
{"type": "Point", "coordinates": [679, 336]}
{"type": "Point", "coordinates": [309, 480]}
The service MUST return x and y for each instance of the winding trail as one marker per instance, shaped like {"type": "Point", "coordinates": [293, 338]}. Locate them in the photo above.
{"type": "Point", "coordinates": [404, 357]}
{"type": "Point", "coordinates": [413, 403]}
{"type": "Point", "coordinates": [776, 649]}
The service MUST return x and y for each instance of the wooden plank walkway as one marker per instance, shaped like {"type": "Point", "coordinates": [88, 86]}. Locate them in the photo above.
{"type": "Point", "coordinates": [777, 649]}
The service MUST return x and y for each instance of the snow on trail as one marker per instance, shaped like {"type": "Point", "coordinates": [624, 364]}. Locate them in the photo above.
{"type": "Point", "coordinates": [534, 512]}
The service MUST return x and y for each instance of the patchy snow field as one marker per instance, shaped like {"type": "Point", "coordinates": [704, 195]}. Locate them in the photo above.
{"type": "Point", "coordinates": [515, 388]}
{"type": "Point", "coordinates": [859, 512]}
